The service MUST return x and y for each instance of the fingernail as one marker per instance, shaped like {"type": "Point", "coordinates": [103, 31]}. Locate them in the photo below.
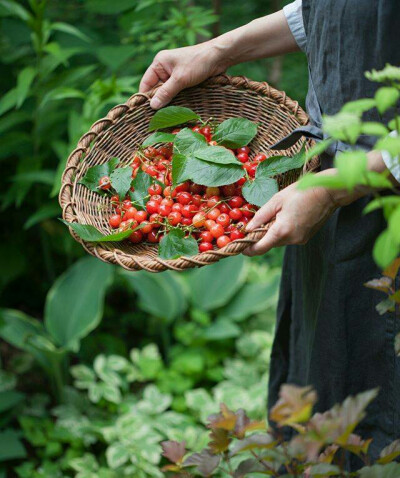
{"type": "Point", "coordinates": [249, 226]}
{"type": "Point", "coordinates": [155, 103]}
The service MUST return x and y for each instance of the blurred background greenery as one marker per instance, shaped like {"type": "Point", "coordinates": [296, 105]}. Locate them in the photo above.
{"type": "Point", "coordinates": [95, 360]}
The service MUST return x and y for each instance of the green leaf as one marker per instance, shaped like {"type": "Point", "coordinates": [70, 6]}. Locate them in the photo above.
{"type": "Point", "coordinates": [8, 101]}
{"type": "Point", "coordinates": [390, 144]}
{"type": "Point", "coordinates": [359, 106]}
{"type": "Point", "coordinates": [374, 129]}
{"type": "Point", "coordinates": [343, 126]}
{"type": "Point", "coordinates": [386, 97]}
{"type": "Point", "coordinates": [213, 286]}
{"type": "Point", "coordinates": [382, 202]}
{"type": "Point", "coordinates": [180, 174]}
{"type": "Point", "coordinates": [171, 116]}
{"type": "Point", "coordinates": [89, 233]}
{"type": "Point", "coordinates": [9, 399]}
{"type": "Point", "coordinates": [322, 470]}
{"type": "Point", "coordinates": [11, 446]}
{"type": "Point", "coordinates": [74, 304]}
{"type": "Point", "coordinates": [188, 141]}
{"type": "Point", "coordinates": [105, 7]}
{"type": "Point", "coordinates": [14, 9]}
{"type": "Point", "coordinates": [121, 179]}
{"type": "Point", "coordinates": [389, 470]}
{"type": "Point", "coordinates": [93, 174]}
{"type": "Point", "coordinates": [217, 155]}
{"type": "Point", "coordinates": [174, 244]}
{"type": "Point", "coordinates": [318, 148]}
{"type": "Point", "coordinates": [211, 174]}
{"type": "Point", "coordinates": [61, 93]}
{"type": "Point", "coordinates": [280, 164]}
{"type": "Point", "coordinates": [385, 249]}
{"type": "Point", "coordinates": [46, 211]}
{"type": "Point", "coordinates": [161, 295]}
{"type": "Point", "coordinates": [235, 132]}
{"type": "Point", "coordinates": [70, 30]}
{"type": "Point", "coordinates": [159, 137]}
{"type": "Point", "coordinates": [260, 190]}
{"type": "Point", "coordinates": [24, 81]}
{"type": "Point", "coordinates": [313, 180]}
{"type": "Point", "coordinates": [394, 225]}
{"type": "Point", "coordinates": [221, 329]}
{"type": "Point", "coordinates": [351, 166]}
{"type": "Point", "coordinates": [117, 455]}
{"type": "Point", "coordinates": [141, 183]}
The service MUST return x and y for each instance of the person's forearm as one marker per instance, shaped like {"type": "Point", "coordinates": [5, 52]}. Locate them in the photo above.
{"type": "Point", "coordinates": [262, 38]}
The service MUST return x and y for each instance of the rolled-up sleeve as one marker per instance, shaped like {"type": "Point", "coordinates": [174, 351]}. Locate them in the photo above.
{"type": "Point", "coordinates": [294, 17]}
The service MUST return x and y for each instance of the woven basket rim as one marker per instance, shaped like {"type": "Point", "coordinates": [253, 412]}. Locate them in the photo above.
{"type": "Point", "coordinates": [109, 252]}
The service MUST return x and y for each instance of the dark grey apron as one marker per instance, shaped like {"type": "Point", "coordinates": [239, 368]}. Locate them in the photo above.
{"type": "Point", "coordinates": [328, 332]}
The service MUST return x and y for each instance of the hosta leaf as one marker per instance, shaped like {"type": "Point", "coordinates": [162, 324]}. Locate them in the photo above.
{"type": "Point", "coordinates": [188, 141]}
{"type": "Point", "coordinates": [89, 233]}
{"type": "Point", "coordinates": [93, 174]}
{"type": "Point", "coordinates": [121, 179]}
{"type": "Point", "coordinates": [386, 97]}
{"type": "Point", "coordinates": [175, 244]}
{"type": "Point", "coordinates": [259, 191]}
{"type": "Point", "coordinates": [235, 132]}
{"type": "Point", "coordinates": [159, 137]}
{"type": "Point", "coordinates": [117, 455]}
{"type": "Point", "coordinates": [216, 154]}
{"type": "Point", "coordinates": [171, 116]}
{"type": "Point", "coordinates": [141, 183]}
{"type": "Point", "coordinates": [209, 174]}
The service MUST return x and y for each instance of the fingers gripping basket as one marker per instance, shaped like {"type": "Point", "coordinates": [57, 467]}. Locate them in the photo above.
{"type": "Point", "coordinates": [126, 126]}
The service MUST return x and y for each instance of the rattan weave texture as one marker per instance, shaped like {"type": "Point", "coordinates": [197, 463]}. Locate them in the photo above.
{"type": "Point", "coordinates": [126, 126]}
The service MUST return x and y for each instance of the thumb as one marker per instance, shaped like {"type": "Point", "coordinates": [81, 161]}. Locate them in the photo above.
{"type": "Point", "coordinates": [265, 214]}
{"type": "Point", "coordinates": [166, 92]}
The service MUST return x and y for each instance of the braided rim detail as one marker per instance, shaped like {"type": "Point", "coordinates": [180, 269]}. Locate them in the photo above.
{"type": "Point", "coordinates": [111, 253]}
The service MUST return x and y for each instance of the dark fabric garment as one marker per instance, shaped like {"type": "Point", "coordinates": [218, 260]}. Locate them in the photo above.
{"type": "Point", "coordinates": [328, 332]}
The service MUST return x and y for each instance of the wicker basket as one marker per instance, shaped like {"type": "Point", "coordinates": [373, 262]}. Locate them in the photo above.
{"type": "Point", "coordinates": [126, 127]}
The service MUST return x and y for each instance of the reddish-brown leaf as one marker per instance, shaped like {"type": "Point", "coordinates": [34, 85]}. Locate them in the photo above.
{"type": "Point", "coordinates": [252, 442]}
{"type": "Point", "coordinates": [219, 440]}
{"type": "Point", "coordinates": [392, 270]}
{"type": "Point", "coordinates": [205, 462]}
{"type": "Point", "coordinates": [226, 419]}
{"type": "Point", "coordinates": [294, 405]}
{"type": "Point", "coordinates": [383, 284]}
{"type": "Point", "coordinates": [174, 451]}
{"type": "Point", "coordinates": [390, 452]}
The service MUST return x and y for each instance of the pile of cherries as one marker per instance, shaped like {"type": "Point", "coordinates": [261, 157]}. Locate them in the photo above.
{"type": "Point", "coordinates": [212, 215]}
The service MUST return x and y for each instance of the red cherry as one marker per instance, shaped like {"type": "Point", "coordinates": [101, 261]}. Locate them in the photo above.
{"type": "Point", "coordinates": [130, 213]}
{"type": "Point", "coordinates": [164, 209]}
{"type": "Point", "coordinates": [260, 157]}
{"type": "Point", "coordinates": [213, 201]}
{"type": "Point", "coordinates": [206, 130]}
{"type": "Point", "coordinates": [141, 216]}
{"type": "Point", "coordinates": [153, 237]}
{"type": "Point", "coordinates": [224, 220]}
{"type": "Point", "coordinates": [209, 223]}
{"type": "Point", "coordinates": [174, 218]}
{"type": "Point", "coordinates": [115, 221]}
{"type": "Point", "coordinates": [146, 227]}
{"type": "Point", "coordinates": [196, 189]}
{"type": "Point", "coordinates": [154, 219]}
{"type": "Point", "coordinates": [241, 181]}
{"type": "Point", "coordinates": [236, 201]}
{"type": "Point", "coordinates": [243, 149]}
{"type": "Point", "coordinates": [243, 157]}
{"type": "Point", "coordinates": [157, 198]}
{"type": "Point", "coordinates": [189, 210]}
{"type": "Point", "coordinates": [154, 189]}
{"type": "Point", "coordinates": [199, 219]}
{"type": "Point", "coordinates": [235, 214]}
{"type": "Point", "coordinates": [114, 201]}
{"type": "Point", "coordinates": [248, 210]}
{"type": "Point", "coordinates": [224, 208]}
{"type": "Point", "coordinates": [205, 246]}
{"type": "Point", "coordinates": [104, 183]}
{"type": "Point", "coordinates": [217, 230]}
{"type": "Point", "coordinates": [228, 190]}
{"type": "Point", "coordinates": [126, 204]}
{"type": "Point", "coordinates": [236, 234]}
{"type": "Point", "coordinates": [150, 152]}
{"type": "Point", "coordinates": [196, 199]}
{"type": "Point", "coordinates": [222, 241]}
{"type": "Point", "coordinates": [136, 236]}
{"type": "Point", "coordinates": [152, 206]}
{"type": "Point", "coordinates": [177, 207]}
{"type": "Point", "coordinates": [184, 197]}
{"type": "Point", "coordinates": [176, 131]}
{"type": "Point", "coordinates": [196, 129]}
{"type": "Point", "coordinates": [167, 202]}
{"type": "Point", "coordinates": [212, 191]}
{"type": "Point", "coordinates": [167, 191]}
{"type": "Point", "coordinates": [206, 236]}
{"type": "Point", "coordinates": [213, 214]}
{"type": "Point", "coordinates": [184, 187]}
{"type": "Point", "coordinates": [187, 221]}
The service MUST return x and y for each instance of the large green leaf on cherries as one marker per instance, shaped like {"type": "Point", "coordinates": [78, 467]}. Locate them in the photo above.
{"type": "Point", "coordinates": [172, 116]}
{"type": "Point", "coordinates": [217, 155]}
{"type": "Point", "coordinates": [174, 245]}
{"type": "Point", "coordinates": [212, 174]}
{"type": "Point", "coordinates": [281, 164]}
{"type": "Point", "coordinates": [235, 132]}
{"type": "Point", "coordinates": [89, 233]}
{"type": "Point", "coordinates": [180, 172]}
{"type": "Point", "coordinates": [141, 184]}
{"type": "Point", "coordinates": [121, 179]}
{"type": "Point", "coordinates": [188, 141]}
{"type": "Point", "coordinates": [259, 191]}
{"type": "Point", "coordinates": [93, 174]}
{"type": "Point", "coordinates": [159, 137]}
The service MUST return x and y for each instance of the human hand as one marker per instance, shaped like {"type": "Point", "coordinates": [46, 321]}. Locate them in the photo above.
{"type": "Point", "coordinates": [298, 215]}
{"type": "Point", "coordinates": [181, 68]}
